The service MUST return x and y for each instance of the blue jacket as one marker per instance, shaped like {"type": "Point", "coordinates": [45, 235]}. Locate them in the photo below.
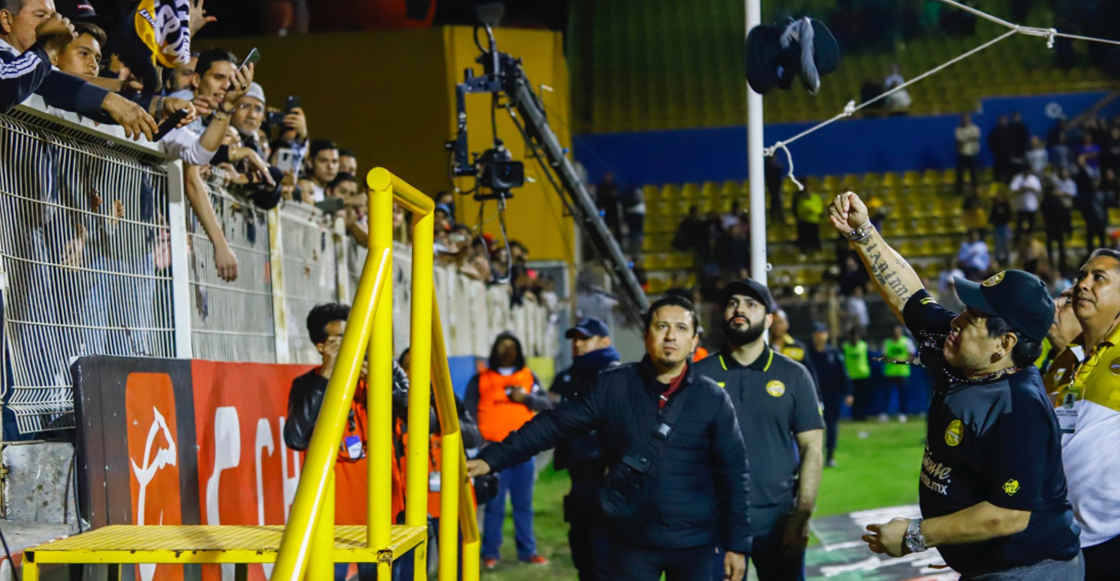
{"type": "Point", "coordinates": [31, 72]}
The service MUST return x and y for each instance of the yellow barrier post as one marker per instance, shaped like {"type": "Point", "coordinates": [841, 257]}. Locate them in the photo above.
{"type": "Point", "coordinates": [451, 453]}
{"type": "Point", "coordinates": [380, 385]}
{"type": "Point", "coordinates": [320, 563]}
{"type": "Point", "coordinates": [291, 562]}
{"type": "Point", "coordinates": [419, 390]}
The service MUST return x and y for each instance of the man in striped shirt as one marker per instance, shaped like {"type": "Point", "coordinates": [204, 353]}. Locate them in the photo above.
{"type": "Point", "coordinates": [31, 34]}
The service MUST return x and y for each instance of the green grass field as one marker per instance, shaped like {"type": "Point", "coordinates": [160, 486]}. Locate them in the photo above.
{"type": "Point", "coordinates": [877, 466]}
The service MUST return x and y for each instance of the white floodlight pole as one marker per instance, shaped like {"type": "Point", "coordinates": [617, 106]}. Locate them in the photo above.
{"type": "Point", "coordinates": [755, 169]}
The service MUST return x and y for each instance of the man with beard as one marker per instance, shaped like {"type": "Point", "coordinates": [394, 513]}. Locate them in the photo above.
{"type": "Point", "coordinates": [776, 403]}
{"type": "Point", "coordinates": [992, 491]}
{"type": "Point", "coordinates": [588, 537]}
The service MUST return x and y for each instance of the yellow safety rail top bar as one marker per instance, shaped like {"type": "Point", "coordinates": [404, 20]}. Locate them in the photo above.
{"type": "Point", "coordinates": [370, 330]}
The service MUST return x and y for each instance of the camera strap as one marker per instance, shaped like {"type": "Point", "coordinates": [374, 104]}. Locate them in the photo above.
{"type": "Point", "coordinates": [642, 460]}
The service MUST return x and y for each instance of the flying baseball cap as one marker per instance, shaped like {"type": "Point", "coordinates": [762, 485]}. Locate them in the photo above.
{"type": "Point", "coordinates": [751, 288]}
{"type": "Point", "coordinates": [1016, 296]}
{"type": "Point", "coordinates": [589, 327]}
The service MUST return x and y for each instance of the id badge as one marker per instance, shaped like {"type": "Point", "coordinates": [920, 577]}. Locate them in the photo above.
{"type": "Point", "coordinates": [353, 447]}
{"type": "Point", "coordinates": [1067, 413]}
{"type": "Point", "coordinates": [433, 481]}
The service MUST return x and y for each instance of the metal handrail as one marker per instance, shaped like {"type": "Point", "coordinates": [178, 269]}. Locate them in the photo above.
{"type": "Point", "coordinates": [369, 329]}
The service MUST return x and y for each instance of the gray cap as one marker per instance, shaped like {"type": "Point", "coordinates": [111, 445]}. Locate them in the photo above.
{"type": "Point", "coordinates": [255, 91]}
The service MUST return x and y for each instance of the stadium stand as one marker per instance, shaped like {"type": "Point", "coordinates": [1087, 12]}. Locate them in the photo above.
{"type": "Point", "coordinates": [646, 66]}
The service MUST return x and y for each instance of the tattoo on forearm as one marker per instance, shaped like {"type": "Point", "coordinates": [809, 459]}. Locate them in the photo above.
{"type": "Point", "coordinates": [881, 268]}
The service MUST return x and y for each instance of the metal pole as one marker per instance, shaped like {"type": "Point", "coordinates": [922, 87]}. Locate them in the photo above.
{"type": "Point", "coordinates": [419, 406]}
{"type": "Point", "coordinates": [755, 169]}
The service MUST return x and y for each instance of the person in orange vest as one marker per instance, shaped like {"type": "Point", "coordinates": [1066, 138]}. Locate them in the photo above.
{"type": "Point", "coordinates": [468, 428]}
{"type": "Point", "coordinates": [504, 396]}
{"type": "Point", "coordinates": [326, 324]}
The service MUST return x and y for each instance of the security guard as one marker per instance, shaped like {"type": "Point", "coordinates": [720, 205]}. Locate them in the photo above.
{"type": "Point", "coordinates": [780, 417]}
{"type": "Point", "coordinates": [992, 493]}
{"type": "Point", "coordinates": [588, 537]}
{"type": "Point", "coordinates": [1087, 376]}
{"type": "Point", "coordinates": [859, 372]}
{"type": "Point", "coordinates": [836, 389]}
{"type": "Point", "coordinates": [784, 343]}
{"type": "Point", "coordinates": [896, 372]}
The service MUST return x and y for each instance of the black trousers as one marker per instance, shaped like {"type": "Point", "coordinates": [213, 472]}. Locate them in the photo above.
{"type": "Point", "coordinates": [1056, 241]}
{"type": "Point", "coordinates": [588, 535]}
{"type": "Point", "coordinates": [630, 563]}
{"type": "Point", "coordinates": [966, 163]}
{"type": "Point", "coordinates": [808, 236]}
{"type": "Point", "coordinates": [861, 396]}
{"type": "Point", "coordinates": [1102, 562]}
{"type": "Point", "coordinates": [833, 406]}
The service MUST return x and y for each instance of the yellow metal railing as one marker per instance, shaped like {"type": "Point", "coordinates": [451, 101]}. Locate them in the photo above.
{"type": "Point", "coordinates": [306, 548]}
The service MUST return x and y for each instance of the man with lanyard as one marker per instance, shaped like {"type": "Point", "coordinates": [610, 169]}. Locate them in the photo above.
{"type": "Point", "coordinates": [836, 389]}
{"type": "Point", "coordinates": [1088, 408]}
{"type": "Point", "coordinates": [776, 403]}
{"type": "Point", "coordinates": [992, 490]}
{"type": "Point", "coordinates": [588, 536]}
{"type": "Point", "coordinates": [1065, 329]}
{"type": "Point", "coordinates": [782, 342]}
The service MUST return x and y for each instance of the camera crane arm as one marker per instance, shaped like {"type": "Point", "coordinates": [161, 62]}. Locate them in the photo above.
{"type": "Point", "coordinates": [504, 74]}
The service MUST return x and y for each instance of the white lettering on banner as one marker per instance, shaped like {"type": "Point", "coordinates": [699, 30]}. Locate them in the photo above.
{"type": "Point", "coordinates": [264, 441]}
{"type": "Point", "coordinates": [227, 455]}
{"type": "Point", "coordinates": [145, 473]}
{"type": "Point", "coordinates": [290, 484]}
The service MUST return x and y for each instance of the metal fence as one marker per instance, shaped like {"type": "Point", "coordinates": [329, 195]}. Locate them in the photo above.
{"type": "Point", "coordinates": [100, 253]}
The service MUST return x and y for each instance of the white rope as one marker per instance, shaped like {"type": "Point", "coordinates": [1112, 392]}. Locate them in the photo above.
{"type": "Point", "coordinates": [1048, 33]}
{"type": "Point", "coordinates": [851, 108]}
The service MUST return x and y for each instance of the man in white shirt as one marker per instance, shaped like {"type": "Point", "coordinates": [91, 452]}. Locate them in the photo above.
{"type": "Point", "coordinates": [967, 135]}
{"type": "Point", "coordinates": [1027, 189]}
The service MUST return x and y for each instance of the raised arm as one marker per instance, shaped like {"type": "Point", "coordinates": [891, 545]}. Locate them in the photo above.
{"type": "Point", "coordinates": [892, 276]}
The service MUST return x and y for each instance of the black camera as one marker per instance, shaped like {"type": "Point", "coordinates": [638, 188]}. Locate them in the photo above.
{"type": "Point", "coordinates": [499, 173]}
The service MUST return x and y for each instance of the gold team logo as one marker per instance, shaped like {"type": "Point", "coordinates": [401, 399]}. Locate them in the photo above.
{"type": "Point", "coordinates": [1011, 487]}
{"type": "Point", "coordinates": [954, 433]}
{"type": "Point", "coordinates": [776, 388]}
{"type": "Point", "coordinates": [994, 280]}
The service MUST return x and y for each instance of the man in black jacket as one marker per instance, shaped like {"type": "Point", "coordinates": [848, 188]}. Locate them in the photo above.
{"type": "Point", "coordinates": [695, 496]}
{"type": "Point", "coordinates": [588, 536]}
{"type": "Point", "coordinates": [834, 386]}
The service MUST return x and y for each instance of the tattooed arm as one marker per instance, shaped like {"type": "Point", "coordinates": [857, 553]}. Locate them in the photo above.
{"type": "Point", "coordinates": [892, 276]}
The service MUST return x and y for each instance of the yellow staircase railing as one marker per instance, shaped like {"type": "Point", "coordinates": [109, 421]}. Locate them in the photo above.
{"type": "Point", "coordinates": [309, 545]}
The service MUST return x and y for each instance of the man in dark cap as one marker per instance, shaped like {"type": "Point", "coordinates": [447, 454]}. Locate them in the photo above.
{"type": "Point", "coordinates": [993, 493]}
{"type": "Point", "coordinates": [835, 387]}
{"type": "Point", "coordinates": [588, 536]}
{"type": "Point", "coordinates": [779, 414]}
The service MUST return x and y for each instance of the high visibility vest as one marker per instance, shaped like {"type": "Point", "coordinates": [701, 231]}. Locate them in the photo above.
{"type": "Point", "coordinates": [896, 351]}
{"type": "Point", "coordinates": [435, 482]}
{"type": "Point", "coordinates": [855, 359]}
{"type": "Point", "coordinates": [498, 415]}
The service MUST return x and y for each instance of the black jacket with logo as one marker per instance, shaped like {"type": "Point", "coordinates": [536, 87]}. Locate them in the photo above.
{"type": "Point", "coordinates": [700, 478]}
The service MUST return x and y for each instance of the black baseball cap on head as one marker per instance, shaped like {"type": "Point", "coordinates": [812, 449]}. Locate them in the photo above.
{"type": "Point", "coordinates": [1016, 296]}
{"type": "Point", "coordinates": [819, 327]}
{"type": "Point", "coordinates": [83, 11]}
{"type": "Point", "coordinates": [589, 327]}
{"type": "Point", "coordinates": [751, 288]}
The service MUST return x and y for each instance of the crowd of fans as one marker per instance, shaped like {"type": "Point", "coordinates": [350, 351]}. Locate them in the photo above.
{"type": "Point", "coordinates": [231, 136]}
